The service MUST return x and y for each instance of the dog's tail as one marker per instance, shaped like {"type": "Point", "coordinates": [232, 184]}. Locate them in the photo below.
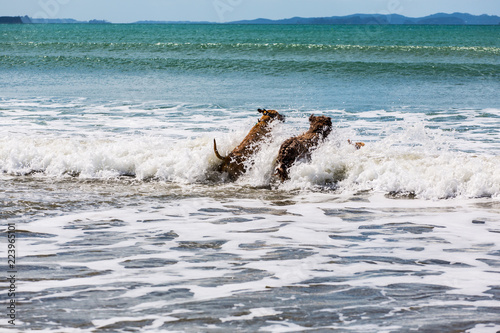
{"type": "Point", "coordinates": [217, 152]}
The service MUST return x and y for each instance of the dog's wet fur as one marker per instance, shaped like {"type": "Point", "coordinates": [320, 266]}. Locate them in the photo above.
{"type": "Point", "coordinates": [300, 147]}
{"type": "Point", "coordinates": [234, 163]}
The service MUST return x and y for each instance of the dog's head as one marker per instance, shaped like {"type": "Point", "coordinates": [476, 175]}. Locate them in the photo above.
{"type": "Point", "coordinates": [320, 124]}
{"type": "Point", "coordinates": [270, 115]}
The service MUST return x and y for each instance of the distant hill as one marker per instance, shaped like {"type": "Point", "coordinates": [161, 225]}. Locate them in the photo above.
{"type": "Point", "coordinates": [54, 21]}
{"type": "Point", "coordinates": [67, 21]}
{"type": "Point", "coordinates": [14, 19]}
{"type": "Point", "coordinates": [363, 19]}
{"type": "Point", "coordinates": [173, 22]}
{"type": "Point", "coordinates": [99, 22]}
{"type": "Point", "coordinates": [27, 20]}
{"type": "Point", "coordinates": [437, 19]}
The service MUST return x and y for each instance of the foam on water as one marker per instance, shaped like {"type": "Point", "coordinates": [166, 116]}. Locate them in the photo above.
{"type": "Point", "coordinates": [414, 161]}
{"type": "Point", "coordinates": [404, 152]}
{"type": "Point", "coordinates": [123, 224]}
{"type": "Point", "coordinates": [205, 264]}
{"type": "Point", "coordinates": [118, 207]}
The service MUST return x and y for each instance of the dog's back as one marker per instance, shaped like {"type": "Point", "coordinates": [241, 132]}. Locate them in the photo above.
{"type": "Point", "coordinates": [301, 146]}
{"type": "Point", "coordinates": [234, 163]}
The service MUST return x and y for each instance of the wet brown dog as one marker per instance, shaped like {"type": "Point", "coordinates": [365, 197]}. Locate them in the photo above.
{"type": "Point", "coordinates": [234, 163]}
{"type": "Point", "coordinates": [301, 146]}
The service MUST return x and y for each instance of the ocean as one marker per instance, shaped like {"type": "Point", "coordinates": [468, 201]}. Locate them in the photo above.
{"type": "Point", "coordinates": [115, 219]}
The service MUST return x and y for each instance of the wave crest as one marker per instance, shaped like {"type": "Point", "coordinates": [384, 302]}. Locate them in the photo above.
{"type": "Point", "coordinates": [417, 161]}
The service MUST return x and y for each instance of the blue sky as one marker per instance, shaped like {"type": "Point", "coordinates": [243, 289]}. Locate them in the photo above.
{"type": "Point", "coordinates": [124, 11]}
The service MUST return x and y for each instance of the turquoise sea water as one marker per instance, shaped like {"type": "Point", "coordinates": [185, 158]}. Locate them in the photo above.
{"type": "Point", "coordinates": [107, 170]}
{"type": "Point", "coordinates": [348, 67]}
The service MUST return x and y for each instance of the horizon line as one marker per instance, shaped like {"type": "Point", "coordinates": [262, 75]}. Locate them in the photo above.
{"type": "Point", "coordinates": [253, 19]}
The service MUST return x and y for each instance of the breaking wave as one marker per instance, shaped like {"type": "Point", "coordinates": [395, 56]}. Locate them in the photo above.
{"type": "Point", "coordinates": [417, 162]}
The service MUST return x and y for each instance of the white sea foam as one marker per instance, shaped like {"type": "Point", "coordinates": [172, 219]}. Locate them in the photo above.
{"type": "Point", "coordinates": [401, 166]}
{"type": "Point", "coordinates": [416, 161]}
{"type": "Point", "coordinates": [402, 243]}
{"type": "Point", "coordinates": [484, 328]}
{"type": "Point", "coordinates": [123, 223]}
{"type": "Point", "coordinates": [405, 152]}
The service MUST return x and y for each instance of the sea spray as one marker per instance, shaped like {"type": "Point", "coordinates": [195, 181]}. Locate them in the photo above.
{"type": "Point", "coordinates": [410, 159]}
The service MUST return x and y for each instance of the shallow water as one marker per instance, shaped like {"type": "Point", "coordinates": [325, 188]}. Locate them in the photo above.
{"type": "Point", "coordinates": [158, 260]}
{"type": "Point", "coordinates": [108, 173]}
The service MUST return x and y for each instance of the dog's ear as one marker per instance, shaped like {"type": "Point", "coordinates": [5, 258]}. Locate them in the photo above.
{"type": "Point", "coordinates": [261, 110]}
{"type": "Point", "coordinates": [311, 117]}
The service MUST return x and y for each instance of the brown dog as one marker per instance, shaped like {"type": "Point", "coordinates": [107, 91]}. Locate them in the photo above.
{"type": "Point", "coordinates": [301, 146]}
{"type": "Point", "coordinates": [234, 163]}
